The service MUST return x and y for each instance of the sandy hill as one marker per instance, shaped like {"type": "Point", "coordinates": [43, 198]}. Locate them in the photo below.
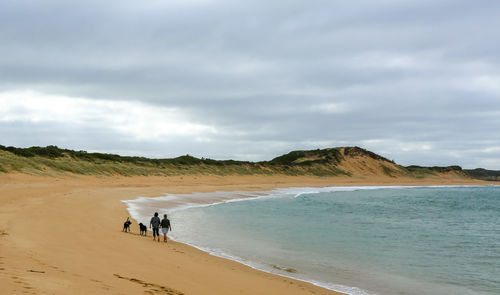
{"type": "Point", "coordinates": [355, 161]}
{"type": "Point", "coordinates": [340, 161]}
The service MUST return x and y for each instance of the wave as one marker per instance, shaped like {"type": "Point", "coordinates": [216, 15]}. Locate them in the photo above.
{"type": "Point", "coordinates": [141, 208]}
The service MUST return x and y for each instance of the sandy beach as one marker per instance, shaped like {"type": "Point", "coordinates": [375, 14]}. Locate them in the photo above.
{"type": "Point", "coordinates": [61, 235]}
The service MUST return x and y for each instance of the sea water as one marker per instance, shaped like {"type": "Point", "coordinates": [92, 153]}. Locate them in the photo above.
{"type": "Point", "coordinates": [358, 240]}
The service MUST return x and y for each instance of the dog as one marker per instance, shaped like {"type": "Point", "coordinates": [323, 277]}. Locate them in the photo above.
{"type": "Point", "coordinates": [126, 225]}
{"type": "Point", "coordinates": [143, 229]}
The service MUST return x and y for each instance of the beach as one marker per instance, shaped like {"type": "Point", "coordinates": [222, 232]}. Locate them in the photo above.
{"type": "Point", "coordinates": [64, 235]}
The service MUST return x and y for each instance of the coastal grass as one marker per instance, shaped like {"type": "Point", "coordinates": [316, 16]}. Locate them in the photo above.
{"type": "Point", "coordinates": [52, 160]}
{"type": "Point", "coordinates": [39, 165]}
{"type": "Point", "coordinates": [388, 171]}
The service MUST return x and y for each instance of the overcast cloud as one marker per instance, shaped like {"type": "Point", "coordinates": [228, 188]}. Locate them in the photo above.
{"type": "Point", "coordinates": [415, 81]}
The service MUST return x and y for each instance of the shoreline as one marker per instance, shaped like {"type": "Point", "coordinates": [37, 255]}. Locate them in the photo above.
{"type": "Point", "coordinates": [66, 227]}
{"type": "Point", "coordinates": [218, 197]}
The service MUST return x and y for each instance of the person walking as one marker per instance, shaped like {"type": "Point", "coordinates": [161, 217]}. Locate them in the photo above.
{"type": "Point", "coordinates": [165, 227]}
{"type": "Point", "coordinates": [155, 223]}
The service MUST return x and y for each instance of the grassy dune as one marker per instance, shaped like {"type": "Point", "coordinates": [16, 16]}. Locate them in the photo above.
{"type": "Point", "coordinates": [129, 166]}
{"type": "Point", "coordinates": [343, 161]}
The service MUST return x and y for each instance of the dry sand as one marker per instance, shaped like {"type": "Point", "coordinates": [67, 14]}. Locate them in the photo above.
{"type": "Point", "coordinates": [63, 236]}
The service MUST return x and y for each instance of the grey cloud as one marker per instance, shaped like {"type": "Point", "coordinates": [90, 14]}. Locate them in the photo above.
{"type": "Point", "coordinates": [254, 70]}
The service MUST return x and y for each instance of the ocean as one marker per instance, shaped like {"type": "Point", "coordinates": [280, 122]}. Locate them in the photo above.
{"type": "Point", "coordinates": [356, 240]}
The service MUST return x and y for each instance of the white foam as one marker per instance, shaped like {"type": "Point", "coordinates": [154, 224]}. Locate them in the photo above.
{"type": "Point", "coordinates": [330, 286]}
{"type": "Point", "coordinates": [134, 207]}
{"type": "Point", "coordinates": [236, 196]}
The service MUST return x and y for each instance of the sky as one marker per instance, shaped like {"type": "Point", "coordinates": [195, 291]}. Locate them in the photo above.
{"type": "Point", "coordinates": [416, 81]}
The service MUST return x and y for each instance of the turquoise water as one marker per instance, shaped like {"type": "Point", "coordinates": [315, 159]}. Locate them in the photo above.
{"type": "Point", "coordinates": [425, 240]}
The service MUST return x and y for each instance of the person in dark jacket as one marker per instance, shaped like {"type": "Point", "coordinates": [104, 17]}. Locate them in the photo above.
{"type": "Point", "coordinates": [155, 223]}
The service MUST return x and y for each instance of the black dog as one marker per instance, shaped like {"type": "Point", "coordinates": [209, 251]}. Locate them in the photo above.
{"type": "Point", "coordinates": [143, 229]}
{"type": "Point", "coordinates": [126, 225]}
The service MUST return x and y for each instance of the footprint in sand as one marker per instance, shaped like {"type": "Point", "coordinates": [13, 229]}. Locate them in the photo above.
{"type": "Point", "coordinates": [153, 288]}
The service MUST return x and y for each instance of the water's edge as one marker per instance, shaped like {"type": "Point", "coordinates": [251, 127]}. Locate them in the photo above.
{"type": "Point", "coordinates": [216, 198]}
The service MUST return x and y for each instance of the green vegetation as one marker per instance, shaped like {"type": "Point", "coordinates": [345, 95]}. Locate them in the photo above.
{"type": "Point", "coordinates": [52, 160]}
{"type": "Point", "coordinates": [357, 151]}
{"type": "Point", "coordinates": [389, 171]}
{"type": "Point", "coordinates": [421, 172]}
{"type": "Point", "coordinates": [307, 158]}
{"type": "Point", "coordinates": [483, 174]}
{"type": "Point", "coordinates": [53, 152]}
{"type": "Point", "coordinates": [434, 169]}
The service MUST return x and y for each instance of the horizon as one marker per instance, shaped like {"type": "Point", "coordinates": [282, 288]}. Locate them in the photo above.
{"type": "Point", "coordinates": [415, 81]}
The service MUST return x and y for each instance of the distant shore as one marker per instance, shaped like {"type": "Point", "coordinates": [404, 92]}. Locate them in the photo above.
{"type": "Point", "coordinates": [63, 234]}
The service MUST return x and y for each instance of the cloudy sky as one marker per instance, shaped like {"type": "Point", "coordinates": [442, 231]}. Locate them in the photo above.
{"type": "Point", "coordinates": [417, 81]}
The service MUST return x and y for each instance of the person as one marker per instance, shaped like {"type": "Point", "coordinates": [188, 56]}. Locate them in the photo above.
{"type": "Point", "coordinates": [165, 227]}
{"type": "Point", "coordinates": [155, 223]}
